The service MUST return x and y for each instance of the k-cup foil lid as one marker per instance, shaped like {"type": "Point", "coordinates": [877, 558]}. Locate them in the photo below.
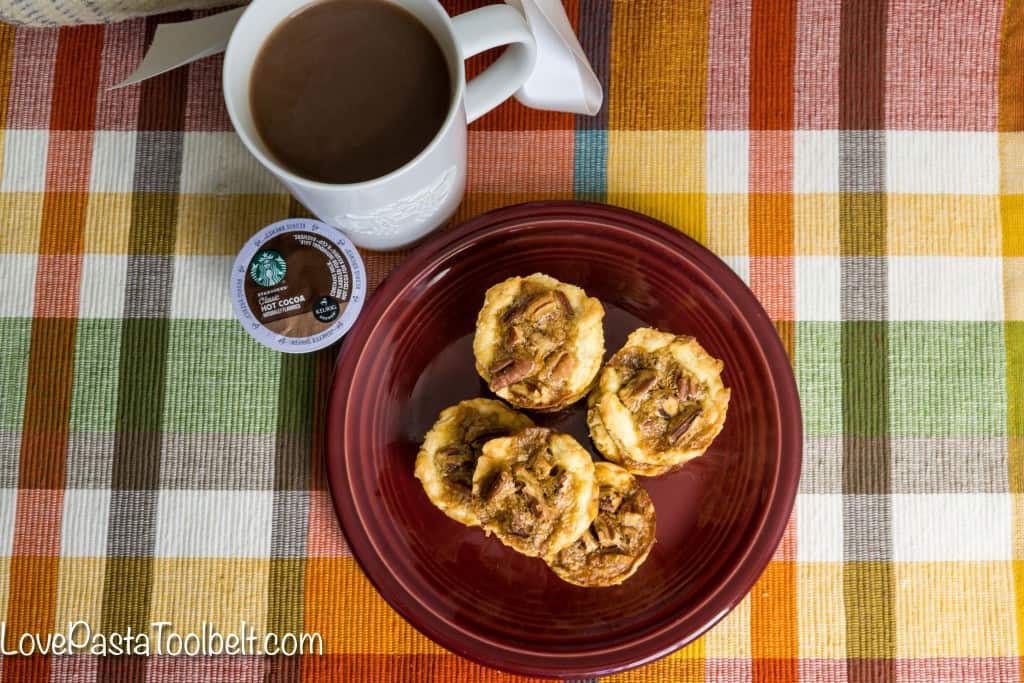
{"type": "Point", "coordinates": [298, 285]}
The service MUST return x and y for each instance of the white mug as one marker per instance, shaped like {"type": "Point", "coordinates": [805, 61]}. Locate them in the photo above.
{"type": "Point", "coordinates": [402, 206]}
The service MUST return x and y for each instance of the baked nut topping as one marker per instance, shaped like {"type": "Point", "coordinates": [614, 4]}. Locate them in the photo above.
{"type": "Point", "coordinates": [537, 490]}
{"type": "Point", "coordinates": [448, 457]}
{"type": "Point", "coordinates": [620, 537]}
{"type": "Point", "coordinates": [659, 402]}
{"type": "Point", "coordinates": [539, 342]}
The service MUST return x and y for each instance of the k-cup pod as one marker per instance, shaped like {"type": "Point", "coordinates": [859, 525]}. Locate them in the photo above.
{"type": "Point", "coordinates": [298, 285]}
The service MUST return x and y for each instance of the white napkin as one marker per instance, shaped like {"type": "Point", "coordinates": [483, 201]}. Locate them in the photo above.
{"type": "Point", "coordinates": [178, 44]}
{"type": "Point", "coordinates": [562, 79]}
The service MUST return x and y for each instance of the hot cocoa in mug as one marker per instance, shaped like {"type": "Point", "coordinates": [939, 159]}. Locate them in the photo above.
{"type": "Point", "coordinates": [360, 107]}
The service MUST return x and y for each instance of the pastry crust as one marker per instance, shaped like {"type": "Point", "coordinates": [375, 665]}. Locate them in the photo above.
{"type": "Point", "coordinates": [539, 342]}
{"type": "Point", "coordinates": [447, 459]}
{"type": "Point", "coordinates": [659, 402]}
{"type": "Point", "coordinates": [618, 540]}
{"type": "Point", "coordinates": [537, 489]}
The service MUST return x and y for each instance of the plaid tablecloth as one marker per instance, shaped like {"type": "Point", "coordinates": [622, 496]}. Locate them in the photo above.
{"type": "Point", "coordinates": [861, 164]}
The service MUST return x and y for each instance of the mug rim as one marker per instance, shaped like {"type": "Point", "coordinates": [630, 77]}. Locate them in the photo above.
{"type": "Point", "coordinates": [455, 61]}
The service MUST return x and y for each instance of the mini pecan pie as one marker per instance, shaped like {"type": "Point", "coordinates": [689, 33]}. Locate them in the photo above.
{"type": "Point", "coordinates": [539, 342]}
{"type": "Point", "coordinates": [447, 458]}
{"type": "Point", "coordinates": [659, 402]}
{"type": "Point", "coordinates": [537, 490]}
{"type": "Point", "coordinates": [618, 540]}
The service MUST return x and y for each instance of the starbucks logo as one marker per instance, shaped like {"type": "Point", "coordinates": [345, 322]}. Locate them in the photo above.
{"type": "Point", "coordinates": [267, 268]}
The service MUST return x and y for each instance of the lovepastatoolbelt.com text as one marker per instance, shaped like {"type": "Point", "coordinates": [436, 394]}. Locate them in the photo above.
{"type": "Point", "coordinates": [79, 637]}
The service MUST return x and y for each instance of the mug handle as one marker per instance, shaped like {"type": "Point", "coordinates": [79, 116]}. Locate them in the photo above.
{"type": "Point", "coordinates": [484, 28]}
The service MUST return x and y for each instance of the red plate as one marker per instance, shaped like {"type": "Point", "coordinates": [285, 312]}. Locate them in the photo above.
{"type": "Point", "coordinates": [409, 356]}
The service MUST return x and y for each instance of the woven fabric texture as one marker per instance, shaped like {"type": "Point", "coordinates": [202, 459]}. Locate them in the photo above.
{"type": "Point", "coordinates": [71, 12]}
{"type": "Point", "coordinates": [860, 164]}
